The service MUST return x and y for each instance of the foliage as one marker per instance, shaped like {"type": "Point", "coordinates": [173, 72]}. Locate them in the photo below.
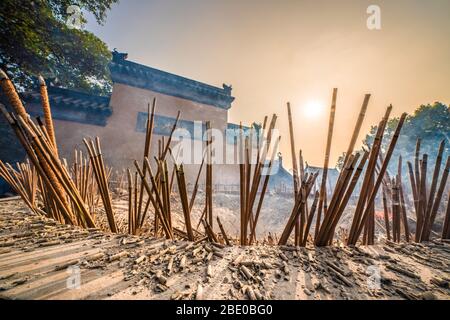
{"type": "Point", "coordinates": [35, 39]}
{"type": "Point", "coordinates": [430, 123]}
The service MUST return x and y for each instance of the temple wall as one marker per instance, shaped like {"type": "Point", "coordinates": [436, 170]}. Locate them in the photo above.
{"type": "Point", "coordinates": [122, 143]}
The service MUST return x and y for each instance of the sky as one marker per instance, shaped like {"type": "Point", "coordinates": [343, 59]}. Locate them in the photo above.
{"type": "Point", "coordinates": [297, 51]}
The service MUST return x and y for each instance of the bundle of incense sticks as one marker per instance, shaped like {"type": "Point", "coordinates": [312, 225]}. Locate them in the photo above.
{"type": "Point", "coordinates": [96, 157]}
{"type": "Point", "coordinates": [250, 185]}
{"type": "Point", "coordinates": [82, 173]}
{"type": "Point", "coordinates": [23, 181]}
{"type": "Point", "coordinates": [427, 204]}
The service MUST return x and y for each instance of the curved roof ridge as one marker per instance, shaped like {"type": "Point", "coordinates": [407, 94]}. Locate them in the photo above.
{"type": "Point", "coordinates": [141, 76]}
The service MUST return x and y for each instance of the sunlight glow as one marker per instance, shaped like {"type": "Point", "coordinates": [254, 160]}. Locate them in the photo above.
{"type": "Point", "coordinates": [313, 109]}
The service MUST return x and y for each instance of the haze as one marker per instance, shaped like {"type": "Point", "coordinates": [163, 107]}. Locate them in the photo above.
{"type": "Point", "coordinates": [272, 52]}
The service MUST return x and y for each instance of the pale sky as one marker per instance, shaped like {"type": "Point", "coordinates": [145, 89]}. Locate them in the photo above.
{"type": "Point", "coordinates": [276, 51]}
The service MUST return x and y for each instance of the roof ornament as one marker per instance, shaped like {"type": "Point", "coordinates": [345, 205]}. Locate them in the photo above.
{"type": "Point", "coordinates": [280, 158]}
{"type": "Point", "coordinates": [119, 56]}
{"type": "Point", "coordinates": [227, 88]}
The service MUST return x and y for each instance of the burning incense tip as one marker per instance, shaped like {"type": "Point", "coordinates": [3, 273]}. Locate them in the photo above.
{"type": "Point", "coordinates": [3, 75]}
{"type": "Point", "coordinates": [41, 80]}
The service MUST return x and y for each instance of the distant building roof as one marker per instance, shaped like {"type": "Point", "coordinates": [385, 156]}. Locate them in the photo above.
{"type": "Point", "coordinates": [320, 169]}
{"type": "Point", "coordinates": [71, 105]}
{"type": "Point", "coordinates": [140, 76]}
{"type": "Point", "coordinates": [332, 175]}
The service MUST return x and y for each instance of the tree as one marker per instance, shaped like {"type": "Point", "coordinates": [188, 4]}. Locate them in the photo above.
{"type": "Point", "coordinates": [340, 161]}
{"type": "Point", "coordinates": [40, 37]}
{"type": "Point", "coordinates": [430, 123]}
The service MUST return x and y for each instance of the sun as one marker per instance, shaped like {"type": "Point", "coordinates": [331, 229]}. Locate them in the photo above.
{"type": "Point", "coordinates": [313, 109]}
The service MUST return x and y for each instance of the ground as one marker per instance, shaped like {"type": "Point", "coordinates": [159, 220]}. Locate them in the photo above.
{"type": "Point", "coordinates": [273, 217]}
{"type": "Point", "coordinates": [41, 259]}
